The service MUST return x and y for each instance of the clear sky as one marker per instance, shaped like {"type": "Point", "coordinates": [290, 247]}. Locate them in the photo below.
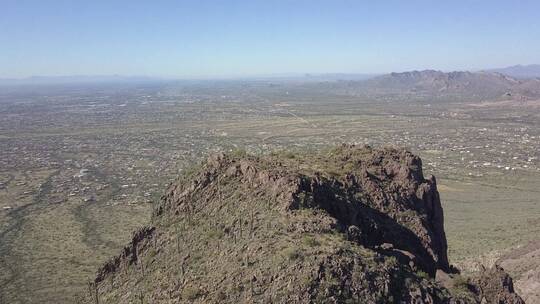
{"type": "Point", "coordinates": [241, 38]}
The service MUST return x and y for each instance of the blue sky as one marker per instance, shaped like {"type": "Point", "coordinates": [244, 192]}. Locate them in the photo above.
{"type": "Point", "coordinates": [241, 38]}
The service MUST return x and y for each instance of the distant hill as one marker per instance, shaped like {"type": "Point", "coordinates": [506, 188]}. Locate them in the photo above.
{"type": "Point", "coordinates": [433, 85]}
{"type": "Point", "coordinates": [440, 82]}
{"type": "Point", "coordinates": [520, 71]}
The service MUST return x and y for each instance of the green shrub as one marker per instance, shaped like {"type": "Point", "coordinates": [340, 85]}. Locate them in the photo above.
{"type": "Point", "coordinates": [239, 153]}
{"type": "Point", "coordinates": [292, 254]}
{"type": "Point", "coordinates": [310, 241]}
{"type": "Point", "coordinates": [461, 283]}
{"type": "Point", "coordinates": [289, 154]}
{"type": "Point", "coordinates": [214, 234]}
{"type": "Point", "coordinates": [191, 293]}
{"type": "Point", "coordinates": [422, 274]}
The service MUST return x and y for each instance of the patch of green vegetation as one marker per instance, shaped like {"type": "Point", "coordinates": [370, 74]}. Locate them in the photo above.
{"type": "Point", "coordinates": [191, 293]}
{"type": "Point", "coordinates": [151, 253]}
{"type": "Point", "coordinates": [289, 154]}
{"type": "Point", "coordinates": [239, 152]}
{"type": "Point", "coordinates": [461, 288]}
{"type": "Point", "coordinates": [293, 254]}
{"type": "Point", "coordinates": [423, 275]}
{"type": "Point", "coordinates": [214, 233]}
{"type": "Point", "coordinates": [337, 236]}
{"type": "Point", "coordinates": [191, 170]}
{"type": "Point", "coordinates": [310, 241]}
{"type": "Point", "coordinates": [391, 261]}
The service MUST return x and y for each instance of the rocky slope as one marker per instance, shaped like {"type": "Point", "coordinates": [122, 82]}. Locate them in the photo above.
{"type": "Point", "coordinates": [520, 71]}
{"type": "Point", "coordinates": [432, 85]}
{"type": "Point", "coordinates": [523, 263]}
{"type": "Point", "coordinates": [348, 225]}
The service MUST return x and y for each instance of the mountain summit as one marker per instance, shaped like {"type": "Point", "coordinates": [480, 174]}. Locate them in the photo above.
{"type": "Point", "coordinates": [346, 225]}
{"type": "Point", "coordinates": [431, 85]}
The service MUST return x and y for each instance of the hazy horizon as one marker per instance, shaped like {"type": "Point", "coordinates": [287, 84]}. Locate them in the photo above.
{"type": "Point", "coordinates": [292, 75]}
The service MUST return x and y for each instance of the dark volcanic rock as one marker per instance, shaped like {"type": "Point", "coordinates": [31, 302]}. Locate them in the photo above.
{"type": "Point", "coordinates": [129, 255]}
{"type": "Point", "coordinates": [349, 225]}
{"type": "Point", "coordinates": [496, 286]}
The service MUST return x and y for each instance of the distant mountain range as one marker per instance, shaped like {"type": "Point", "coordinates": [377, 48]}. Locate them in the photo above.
{"type": "Point", "coordinates": [517, 82]}
{"type": "Point", "coordinates": [433, 85]}
{"type": "Point", "coordinates": [520, 71]}
{"type": "Point", "coordinates": [437, 81]}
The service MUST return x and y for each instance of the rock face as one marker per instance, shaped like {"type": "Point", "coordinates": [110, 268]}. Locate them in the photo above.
{"type": "Point", "coordinates": [523, 264]}
{"type": "Point", "coordinates": [348, 225]}
{"type": "Point", "coordinates": [496, 286]}
{"type": "Point", "coordinates": [128, 257]}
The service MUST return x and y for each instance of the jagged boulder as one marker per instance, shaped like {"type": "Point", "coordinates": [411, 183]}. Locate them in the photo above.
{"type": "Point", "coordinates": [129, 254]}
{"type": "Point", "coordinates": [496, 286]}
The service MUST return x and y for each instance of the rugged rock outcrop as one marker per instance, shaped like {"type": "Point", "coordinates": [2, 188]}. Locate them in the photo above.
{"type": "Point", "coordinates": [496, 286]}
{"type": "Point", "coordinates": [128, 256]}
{"type": "Point", "coordinates": [353, 224]}
{"type": "Point", "coordinates": [523, 263]}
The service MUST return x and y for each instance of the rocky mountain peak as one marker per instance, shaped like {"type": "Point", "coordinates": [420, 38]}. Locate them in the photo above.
{"type": "Point", "coordinates": [350, 224]}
